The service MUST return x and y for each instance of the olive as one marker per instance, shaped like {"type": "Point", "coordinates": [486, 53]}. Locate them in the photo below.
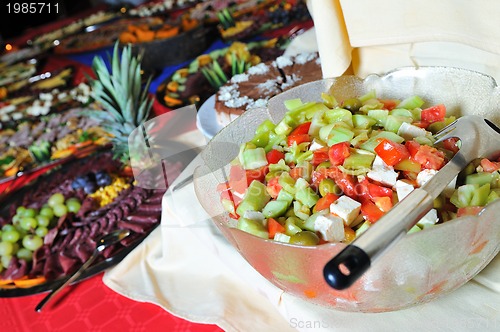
{"type": "Point", "coordinates": [305, 238]}
{"type": "Point", "coordinates": [328, 186]}
{"type": "Point", "coordinates": [352, 104]}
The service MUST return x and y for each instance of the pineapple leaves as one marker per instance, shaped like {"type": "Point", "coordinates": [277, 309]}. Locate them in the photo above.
{"type": "Point", "coordinates": [125, 100]}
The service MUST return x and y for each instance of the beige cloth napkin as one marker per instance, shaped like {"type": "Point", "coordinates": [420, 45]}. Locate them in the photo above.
{"type": "Point", "coordinates": [378, 36]}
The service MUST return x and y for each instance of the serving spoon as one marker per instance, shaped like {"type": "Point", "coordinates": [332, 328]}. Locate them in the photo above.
{"type": "Point", "coordinates": [479, 138]}
{"type": "Point", "coordinates": [102, 243]}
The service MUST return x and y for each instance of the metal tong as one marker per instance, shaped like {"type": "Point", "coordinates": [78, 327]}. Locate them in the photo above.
{"type": "Point", "coordinates": [479, 138]}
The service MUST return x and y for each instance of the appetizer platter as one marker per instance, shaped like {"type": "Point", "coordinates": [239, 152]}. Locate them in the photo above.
{"type": "Point", "coordinates": [102, 37]}
{"type": "Point", "coordinates": [274, 15]}
{"type": "Point", "coordinates": [51, 231]}
{"type": "Point", "coordinates": [91, 22]}
{"type": "Point", "coordinates": [161, 7]}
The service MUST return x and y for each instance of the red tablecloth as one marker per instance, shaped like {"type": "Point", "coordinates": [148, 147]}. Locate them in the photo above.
{"type": "Point", "coordinates": [90, 306]}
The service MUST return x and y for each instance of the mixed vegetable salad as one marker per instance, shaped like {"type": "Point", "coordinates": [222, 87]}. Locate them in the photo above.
{"type": "Point", "coordinates": [329, 170]}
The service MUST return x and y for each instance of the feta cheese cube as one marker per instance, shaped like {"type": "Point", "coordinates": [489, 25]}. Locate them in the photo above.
{"type": "Point", "coordinates": [425, 176]}
{"type": "Point", "coordinates": [315, 145]}
{"type": "Point", "coordinates": [387, 177]}
{"type": "Point", "coordinates": [409, 131]}
{"type": "Point", "coordinates": [346, 208]}
{"type": "Point", "coordinates": [430, 219]}
{"type": "Point", "coordinates": [280, 237]}
{"type": "Point", "coordinates": [330, 227]}
{"type": "Point", "coordinates": [403, 189]}
{"type": "Point", "coordinates": [382, 173]}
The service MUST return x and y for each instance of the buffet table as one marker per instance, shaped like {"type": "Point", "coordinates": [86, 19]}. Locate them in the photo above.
{"type": "Point", "coordinates": [132, 297]}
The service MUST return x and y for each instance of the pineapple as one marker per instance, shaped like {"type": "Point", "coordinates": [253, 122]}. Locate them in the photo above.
{"type": "Point", "coordinates": [126, 105]}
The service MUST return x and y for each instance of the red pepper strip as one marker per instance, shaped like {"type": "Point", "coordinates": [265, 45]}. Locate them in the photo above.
{"type": "Point", "coordinates": [320, 156]}
{"type": "Point", "coordinates": [325, 201]}
{"type": "Point", "coordinates": [274, 227]}
{"type": "Point", "coordinates": [370, 211]}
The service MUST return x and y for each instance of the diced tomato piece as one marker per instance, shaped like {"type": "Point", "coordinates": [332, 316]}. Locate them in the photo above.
{"type": "Point", "coordinates": [347, 183]}
{"type": "Point", "coordinates": [391, 152]}
{"type": "Point", "coordinates": [421, 124]}
{"type": "Point", "coordinates": [240, 179]}
{"type": "Point", "coordinates": [389, 104]}
{"type": "Point", "coordinates": [301, 129]}
{"type": "Point", "coordinates": [274, 227]}
{"type": "Point", "coordinates": [273, 187]}
{"type": "Point", "coordinates": [274, 156]}
{"type": "Point", "coordinates": [297, 172]}
{"type": "Point", "coordinates": [338, 152]}
{"type": "Point", "coordinates": [469, 211]}
{"type": "Point", "coordinates": [370, 211]}
{"type": "Point", "coordinates": [412, 147]}
{"type": "Point", "coordinates": [320, 156]}
{"type": "Point", "coordinates": [318, 175]}
{"type": "Point", "coordinates": [451, 144]}
{"type": "Point", "coordinates": [490, 166]}
{"type": "Point", "coordinates": [429, 157]}
{"type": "Point", "coordinates": [325, 201]}
{"type": "Point", "coordinates": [383, 203]}
{"type": "Point", "coordinates": [434, 114]}
{"type": "Point", "coordinates": [298, 138]}
{"type": "Point", "coordinates": [376, 190]}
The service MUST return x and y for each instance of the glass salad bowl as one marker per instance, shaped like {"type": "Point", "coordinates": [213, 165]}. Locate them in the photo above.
{"type": "Point", "coordinates": [419, 268]}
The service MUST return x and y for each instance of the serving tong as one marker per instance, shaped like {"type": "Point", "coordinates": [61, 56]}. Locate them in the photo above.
{"type": "Point", "coordinates": [479, 138]}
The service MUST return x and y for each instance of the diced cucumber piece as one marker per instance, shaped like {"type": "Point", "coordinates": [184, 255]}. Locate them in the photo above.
{"type": "Point", "coordinates": [301, 211]}
{"type": "Point", "coordinates": [253, 227]}
{"type": "Point", "coordinates": [359, 159]}
{"type": "Point", "coordinates": [329, 100]}
{"type": "Point", "coordinates": [338, 135]}
{"type": "Point", "coordinates": [492, 197]}
{"type": "Point", "coordinates": [338, 115]}
{"type": "Point", "coordinates": [372, 94]}
{"type": "Point", "coordinates": [411, 102]}
{"type": "Point", "coordinates": [416, 113]}
{"type": "Point", "coordinates": [283, 128]}
{"type": "Point", "coordinates": [256, 197]}
{"type": "Point", "coordinates": [480, 196]}
{"type": "Point", "coordinates": [402, 112]}
{"type": "Point", "coordinates": [285, 196]}
{"type": "Point", "coordinates": [261, 139]}
{"type": "Point", "coordinates": [463, 195]}
{"type": "Point", "coordinates": [363, 121]}
{"type": "Point", "coordinates": [414, 229]}
{"type": "Point", "coordinates": [324, 132]}
{"type": "Point", "coordinates": [359, 138]}
{"type": "Point", "coordinates": [363, 228]}
{"type": "Point", "coordinates": [480, 178]}
{"type": "Point", "coordinates": [393, 122]}
{"type": "Point", "coordinates": [274, 209]}
{"type": "Point", "coordinates": [317, 122]}
{"type": "Point", "coordinates": [307, 197]}
{"type": "Point", "coordinates": [292, 104]}
{"type": "Point", "coordinates": [371, 104]}
{"type": "Point", "coordinates": [279, 166]}
{"type": "Point", "coordinates": [300, 184]}
{"type": "Point", "coordinates": [380, 116]}
{"type": "Point", "coordinates": [274, 140]}
{"type": "Point", "coordinates": [291, 227]}
{"type": "Point", "coordinates": [287, 183]}
{"type": "Point", "coordinates": [266, 126]}
{"type": "Point", "coordinates": [253, 158]}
